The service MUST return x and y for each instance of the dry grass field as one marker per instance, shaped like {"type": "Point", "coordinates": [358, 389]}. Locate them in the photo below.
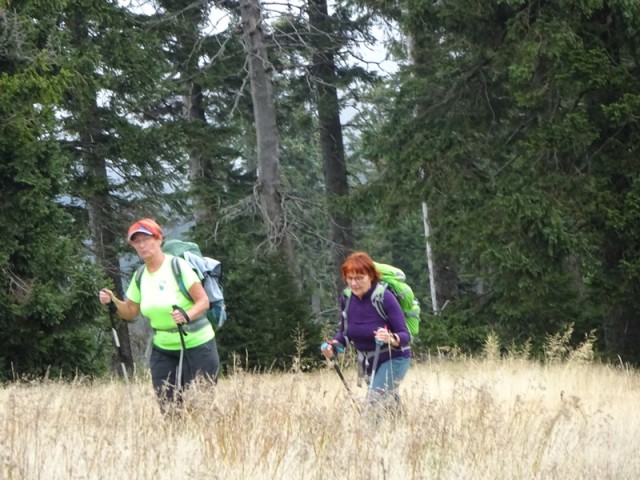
{"type": "Point", "coordinates": [464, 419]}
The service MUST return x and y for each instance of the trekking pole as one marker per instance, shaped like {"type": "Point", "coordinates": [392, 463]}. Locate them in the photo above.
{"type": "Point", "coordinates": [183, 348]}
{"type": "Point", "coordinates": [116, 342]}
{"type": "Point", "coordinates": [376, 357]}
{"type": "Point", "coordinates": [334, 361]}
{"type": "Point", "coordinates": [339, 372]}
{"type": "Point", "coordinates": [336, 367]}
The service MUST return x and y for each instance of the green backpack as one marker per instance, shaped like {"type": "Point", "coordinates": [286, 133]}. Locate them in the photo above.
{"type": "Point", "coordinates": [395, 280]}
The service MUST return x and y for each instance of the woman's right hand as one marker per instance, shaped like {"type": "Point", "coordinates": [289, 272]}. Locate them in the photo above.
{"type": "Point", "coordinates": [105, 296]}
{"type": "Point", "coordinates": [327, 350]}
{"type": "Point", "coordinates": [330, 347]}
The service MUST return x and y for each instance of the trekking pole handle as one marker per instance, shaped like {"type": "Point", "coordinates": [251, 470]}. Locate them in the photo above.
{"type": "Point", "coordinates": [336, 346]}
{"type": "Point", "coordinates": [379, 342]}
{"type": "Point", "coordinates": [182, 312]}
{"type": "Point", "coordinates": [111, 305]}
{"type": "Point", "coordinates": [339, 348]}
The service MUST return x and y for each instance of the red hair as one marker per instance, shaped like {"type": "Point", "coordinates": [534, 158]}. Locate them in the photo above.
{"type": "Point", "coordinates": [147, 226]}
{"type": "Point", "coordinates": [360, 263]}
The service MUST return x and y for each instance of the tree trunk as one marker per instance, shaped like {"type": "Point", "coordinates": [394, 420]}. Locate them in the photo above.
{"type": "Point", "coordinates": [432, 278]}
{"type": "Point", "coordinates": [331, 142]}
{"type": "Point", "coordinates": [187, 53]}
{"type": "Point", "coordinates": [105, 250]}
{"type": "Point", "coordinates": [90, 134]}
{"type": "Point", "coordinates": [199, 169]}
{"type": "Point", "coordinates": [622, 334]}
{"type": "Point", "coordinates": [268, 187]}
{"type": "Point", "coordinates": [443, 278]}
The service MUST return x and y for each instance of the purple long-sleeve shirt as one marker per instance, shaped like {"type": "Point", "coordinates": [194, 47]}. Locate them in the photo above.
{"type": "Point", "coordinates": [362, 320]}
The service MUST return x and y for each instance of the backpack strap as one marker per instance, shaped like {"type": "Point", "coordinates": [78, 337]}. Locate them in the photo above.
{"type": "Point", "coordinates": [377, 299]}
{"type": "Point", "coordinates": [190, 327]}
{"type": "Point", "coordinates": [138, 277]}
{"type": "Point", "coordinates": [177, 273]}
{"type": "Point", "coordinates": [363, 361]}
{"type": "Point", "coordinates": [346, 299]}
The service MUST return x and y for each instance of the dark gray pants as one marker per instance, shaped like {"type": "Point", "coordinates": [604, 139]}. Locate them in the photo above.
{"type": "Point", "coordinates": [202, 361]}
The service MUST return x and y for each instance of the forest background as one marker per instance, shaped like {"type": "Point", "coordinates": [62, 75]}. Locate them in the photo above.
{"type": "Point", "coordinates": [265, 132]}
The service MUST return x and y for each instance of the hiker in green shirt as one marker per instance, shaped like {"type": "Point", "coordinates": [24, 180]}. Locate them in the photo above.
{"type": "Point", "coordinates": [184, 346]}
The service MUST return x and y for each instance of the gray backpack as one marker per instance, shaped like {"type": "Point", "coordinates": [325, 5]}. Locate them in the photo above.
{"type": "Point", "coordinates": [209, 272]}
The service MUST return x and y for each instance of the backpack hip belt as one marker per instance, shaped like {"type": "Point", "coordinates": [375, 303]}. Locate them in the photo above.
{"type": "Point", "coordinates": [363, 361]}
{"type": "Point", "coordinates": [364, 357]}
{"type": "Point", "coordinates": [190, 327]}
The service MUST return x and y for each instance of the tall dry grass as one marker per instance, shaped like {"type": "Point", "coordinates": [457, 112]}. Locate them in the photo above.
{"type": "Point", "coordinates": [494, 418]}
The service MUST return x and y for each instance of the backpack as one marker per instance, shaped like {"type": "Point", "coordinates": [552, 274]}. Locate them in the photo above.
{"type": "Point", "coordinates": [395, 280]}
{"type": "Point", "coordinates": [209, 272]}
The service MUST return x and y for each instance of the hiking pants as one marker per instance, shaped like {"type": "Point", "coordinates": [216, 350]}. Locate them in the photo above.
{"type": "Point", "coordinates": [202, 360]}
{"type": "Point", "coordinates": [390, 373]}
{"type": "Point", "coordinates": [384, 389]}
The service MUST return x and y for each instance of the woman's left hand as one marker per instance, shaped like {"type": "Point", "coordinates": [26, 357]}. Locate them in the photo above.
{"type": "Point", "coordinates": [178, 315]}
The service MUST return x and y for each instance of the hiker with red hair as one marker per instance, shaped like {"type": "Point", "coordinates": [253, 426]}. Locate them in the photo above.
{"type": "Point", "coordinates": [382, 344]}
{"type": "Point", "coordinates": [180, 324]}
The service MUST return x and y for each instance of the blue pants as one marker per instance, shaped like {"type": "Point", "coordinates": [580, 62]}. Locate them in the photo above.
{"type": "Point", "coordinates": [390, 373]}
{"type": "Point", "coordinates": [384, 388]}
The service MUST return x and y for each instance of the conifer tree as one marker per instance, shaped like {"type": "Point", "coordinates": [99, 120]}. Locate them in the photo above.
{"type": "Point", "coordinates": [50, 321]}
{"type": "Point", "coordinates": [523, 130]}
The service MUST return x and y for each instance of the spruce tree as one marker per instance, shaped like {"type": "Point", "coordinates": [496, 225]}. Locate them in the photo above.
{"type": "Point", "coordinates": [50, 321]}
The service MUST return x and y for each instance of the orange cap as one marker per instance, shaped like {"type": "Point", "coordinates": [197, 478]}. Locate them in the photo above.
{"type": "Point", "coordinates": [148, 226]}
